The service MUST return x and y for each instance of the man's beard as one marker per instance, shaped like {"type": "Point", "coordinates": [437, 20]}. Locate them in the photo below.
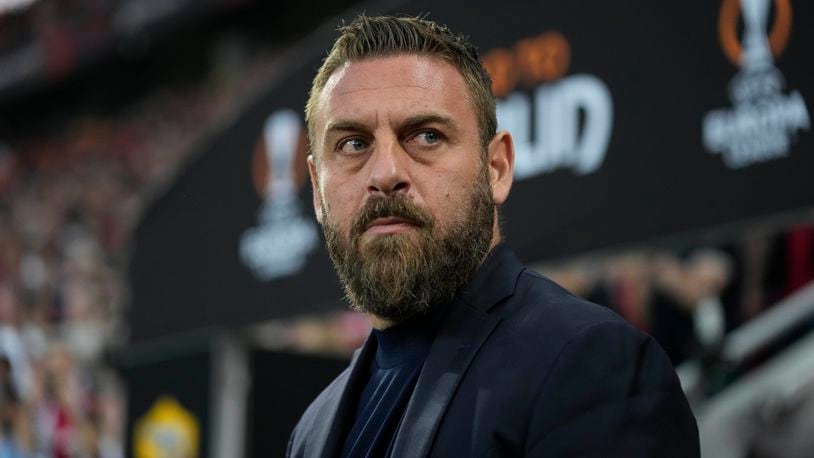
{"type": "Point", "coordinates": [396, 276]}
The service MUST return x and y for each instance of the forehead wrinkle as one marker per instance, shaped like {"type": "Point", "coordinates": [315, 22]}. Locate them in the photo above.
{"type": "Point", "coordinates": [414, 86]}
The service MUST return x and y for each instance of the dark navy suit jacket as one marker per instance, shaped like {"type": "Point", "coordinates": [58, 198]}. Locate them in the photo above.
{"type": "Point", "coordinates": [521, 367]}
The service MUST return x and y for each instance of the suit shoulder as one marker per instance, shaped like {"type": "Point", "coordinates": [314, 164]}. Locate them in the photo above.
{"type": "Point", "coordinates": [540, 302]}
{"type": "Point", "coordinates": [543, 316]}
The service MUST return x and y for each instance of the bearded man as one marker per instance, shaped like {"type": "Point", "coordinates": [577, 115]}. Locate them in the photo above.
{"type": "Point", "coordinates": [471, 353]}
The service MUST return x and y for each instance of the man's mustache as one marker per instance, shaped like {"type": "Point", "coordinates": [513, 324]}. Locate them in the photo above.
{"type": "Point", "coordinates": [397, 206]}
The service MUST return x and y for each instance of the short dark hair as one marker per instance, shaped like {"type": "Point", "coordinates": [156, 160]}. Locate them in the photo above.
{"type": "Point", "coordinates": [378, 36]}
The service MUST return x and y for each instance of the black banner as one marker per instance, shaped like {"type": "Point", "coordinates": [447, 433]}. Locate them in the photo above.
{"type": "Point", "coordinates": [283, 385]}
{"type": "Point", "coordinates": [632, 121]}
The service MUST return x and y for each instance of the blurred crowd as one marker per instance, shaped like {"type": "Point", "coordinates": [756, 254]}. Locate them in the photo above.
{"type": "Point", "coordinates": [46, 40]}
{"type": "Point", "coordinates": [690, 298]}
{"type": "Point", "coordinates": [69, 201]}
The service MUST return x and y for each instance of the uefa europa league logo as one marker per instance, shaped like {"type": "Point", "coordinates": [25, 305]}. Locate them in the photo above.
{"type": "Point", "coordinates": [279, 244]}
{"type": "Point", "coordinates": [763, 121]}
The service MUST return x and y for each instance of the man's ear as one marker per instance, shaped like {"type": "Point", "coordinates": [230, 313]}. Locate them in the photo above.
{"type": "Point", "coordinates": [501, 166]}
{"type": "Point", "coordinates": [312, 172]}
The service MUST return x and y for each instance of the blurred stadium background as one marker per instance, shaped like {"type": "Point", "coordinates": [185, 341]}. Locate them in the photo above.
{"type": "Point", "coordinates": [163, 288]}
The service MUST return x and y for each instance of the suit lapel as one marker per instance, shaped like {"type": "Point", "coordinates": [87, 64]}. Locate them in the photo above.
{"type": "Point", "coordinates": [339, 410]}
{"type": "Point", "coordinates": [461, 336]}
{"type": "Point", "coordinates": [464, 330]}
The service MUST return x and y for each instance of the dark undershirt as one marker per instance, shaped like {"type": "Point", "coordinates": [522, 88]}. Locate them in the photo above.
{"type": "Point", "coordinates": [400, 354]}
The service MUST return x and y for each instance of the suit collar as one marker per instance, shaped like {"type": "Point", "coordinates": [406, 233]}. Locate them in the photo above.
{"type": "Point", "coordinates": [462, 334]}
{"type": "Point", "coordinates": [494, 280]}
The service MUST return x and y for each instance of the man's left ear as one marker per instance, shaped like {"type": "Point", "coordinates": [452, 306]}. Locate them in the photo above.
{"type": "Point", "coordinates": [501, 166]}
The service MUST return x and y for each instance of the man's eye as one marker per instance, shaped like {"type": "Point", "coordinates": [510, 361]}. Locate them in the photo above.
{"type": "Point", "coordinates": [352, 145]}
{"type": "Point", "coordinates": [429, 137]}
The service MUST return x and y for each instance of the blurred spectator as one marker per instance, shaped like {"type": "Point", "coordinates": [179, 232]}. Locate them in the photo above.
{"type": "Point", "coordinates": [688, 317]}
{"type": "Point", "coordinates": [10, 414]}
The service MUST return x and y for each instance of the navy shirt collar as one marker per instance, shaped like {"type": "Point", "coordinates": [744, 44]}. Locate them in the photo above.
{"type": "Point", "coordinates": [407, 341]}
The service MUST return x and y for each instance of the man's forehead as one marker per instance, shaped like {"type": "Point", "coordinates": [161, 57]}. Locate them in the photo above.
{"type": "Point", "coordinates": [401, 70]}
{"type": "Point", "coordinates": [408, 77]}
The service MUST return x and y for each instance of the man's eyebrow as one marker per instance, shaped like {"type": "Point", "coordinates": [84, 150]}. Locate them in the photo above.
{"type": "Point", "coordinates": [429, 118]}
{"type": "Point", "coordinates": [347, 125]}
{"type": "Point", "coordinates": [344, 125]}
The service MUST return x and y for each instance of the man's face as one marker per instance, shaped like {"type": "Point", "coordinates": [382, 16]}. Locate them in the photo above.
{"type": "Point", "coordinates": [402, 187]}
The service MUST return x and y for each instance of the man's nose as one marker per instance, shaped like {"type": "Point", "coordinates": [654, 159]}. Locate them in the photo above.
{"type": "Point", "coordinates": [389, 169]}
